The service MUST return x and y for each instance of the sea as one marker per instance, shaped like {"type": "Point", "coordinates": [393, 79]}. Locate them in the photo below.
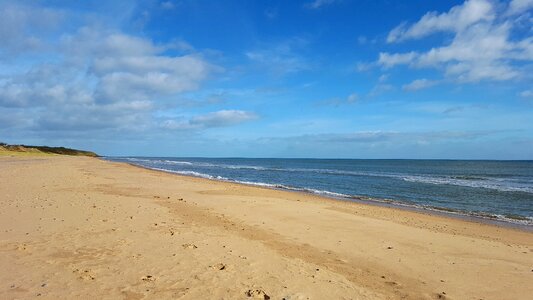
{"type": "Point", "coordinates": [501, 191]}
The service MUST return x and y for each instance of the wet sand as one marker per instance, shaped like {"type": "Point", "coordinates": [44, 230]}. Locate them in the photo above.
{"type": "Point", "coordinates": [77, 227]}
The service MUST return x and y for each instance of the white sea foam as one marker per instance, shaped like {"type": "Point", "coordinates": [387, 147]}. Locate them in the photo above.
{"type": "Point", "coordinates": [174, 162]}
{"type": "Point", "coordinates": [191, 173]}
{"type": "Point", "coordinates": [489, 183]}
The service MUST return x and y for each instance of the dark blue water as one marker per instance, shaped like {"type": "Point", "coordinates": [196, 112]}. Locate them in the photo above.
{"type": "Point", "coordinates": [500, 190]}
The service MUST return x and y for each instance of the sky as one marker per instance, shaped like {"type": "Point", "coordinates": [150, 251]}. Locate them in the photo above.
{"type": "Point", "coordinates": [315, 78]}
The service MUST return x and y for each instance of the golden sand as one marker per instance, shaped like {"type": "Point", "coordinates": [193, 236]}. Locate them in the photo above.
{"type": "Point", "coordinates": [78, 227]}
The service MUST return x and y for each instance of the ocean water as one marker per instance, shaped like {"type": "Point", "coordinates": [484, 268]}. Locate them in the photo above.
{"type": "Point", "coordinates": [497, 190]}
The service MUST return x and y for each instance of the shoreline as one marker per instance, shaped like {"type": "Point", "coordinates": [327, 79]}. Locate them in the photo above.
{"type": "Point", "coordinates": [494, 220]}
{"type": "Point", "coordinates": [79, 227]}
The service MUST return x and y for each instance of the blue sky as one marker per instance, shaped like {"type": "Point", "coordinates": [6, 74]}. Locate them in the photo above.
{"type": "Point", "coordinates": [323, 78]}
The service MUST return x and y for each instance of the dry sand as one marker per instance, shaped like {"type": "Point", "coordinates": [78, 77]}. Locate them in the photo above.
{"type": "Point", "coordinates": [75, 228]}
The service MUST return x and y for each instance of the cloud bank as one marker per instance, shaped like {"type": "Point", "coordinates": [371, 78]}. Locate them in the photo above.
{"type": "Point", "coordinates": [96, 77]}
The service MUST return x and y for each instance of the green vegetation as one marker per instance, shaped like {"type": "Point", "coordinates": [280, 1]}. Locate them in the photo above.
{"type": "Point", "coordinates": [6, 149]}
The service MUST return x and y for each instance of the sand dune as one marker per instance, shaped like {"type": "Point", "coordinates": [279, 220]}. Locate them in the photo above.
{"type": "Point", "coordinates": [79, 227]}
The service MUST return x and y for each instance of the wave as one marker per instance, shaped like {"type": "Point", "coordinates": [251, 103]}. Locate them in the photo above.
{"type": "Point", "coordinates": [291, 188]}
{"type": "Point", "coordinates": [191, 173]}
{"type": "Point", "coordinates": [505, 185]}
{"type": "Point", "coordinates": [472, 181]}
{"type": "Point", "coordinates": [157, 161]}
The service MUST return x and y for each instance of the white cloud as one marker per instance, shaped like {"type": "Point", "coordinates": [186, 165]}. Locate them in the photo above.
{"type": "Point", "coordinates": [43, 85]}
{"type": "Point", "coordinates": [148, 76]}
{"type": "Point", "coordinates": [519, 6]}
{"type": "Point", "coordinates": [482, 47]}
{"type": "Point", "coordinates": [96, 78]}
{"type": "Point", "coordinates": [419, 84]}
{"type": "Point", "coordinates": [22, 27]}
{"type": "Point", "coordinates": [388, 60]}
{"type": "Point", "coordinates": [96, 42]}
{"type": "Point", "coordinates": [456, 20]}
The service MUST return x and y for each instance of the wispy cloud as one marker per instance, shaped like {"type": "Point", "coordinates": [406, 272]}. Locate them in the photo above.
{"type": "Point", "coordinates": [456, 20]}
{"type": "Point", "coordinates": [419, 84]}
{"type": "Point", "coordinates": [280, 58]}
{"type": "Point", "coordinates": [389, 60]}
{"type": "Point", "coordinates": [378, 136]}
{"type": "Point", "coordinates": [526, 94]}
{"type": "Point", "coordinates": [348, 100]}
{"type": "Point", "coordinates": [380, 88]}
{"type": "Point", "coordinates": [220, 118]}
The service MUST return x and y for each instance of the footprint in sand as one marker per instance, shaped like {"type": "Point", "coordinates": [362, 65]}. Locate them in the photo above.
{"type": "Point", "coordinates": [440, 295]}
{"type": "Point", "coordinates": [257, 293]}
{"type": "Point", "coordinates": [22, 247]}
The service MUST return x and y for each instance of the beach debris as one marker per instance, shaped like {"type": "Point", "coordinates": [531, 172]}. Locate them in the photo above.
{"type": "Point", "coordinates": [389, 247]}
{"type": "Point", "coordinates": [148, 278]}
{"type": "Point", "coordinates": [219, 266]}
{"type": "Point", "coordinates": [84, 274]}
{"type": "Point", "coordinates": [189, 246]}
{"type": "Point", "coordinates": [257, 293]}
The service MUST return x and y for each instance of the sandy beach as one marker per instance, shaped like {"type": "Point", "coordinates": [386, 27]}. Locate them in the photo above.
{"type": "Point", "coordinates": [84, 228]}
